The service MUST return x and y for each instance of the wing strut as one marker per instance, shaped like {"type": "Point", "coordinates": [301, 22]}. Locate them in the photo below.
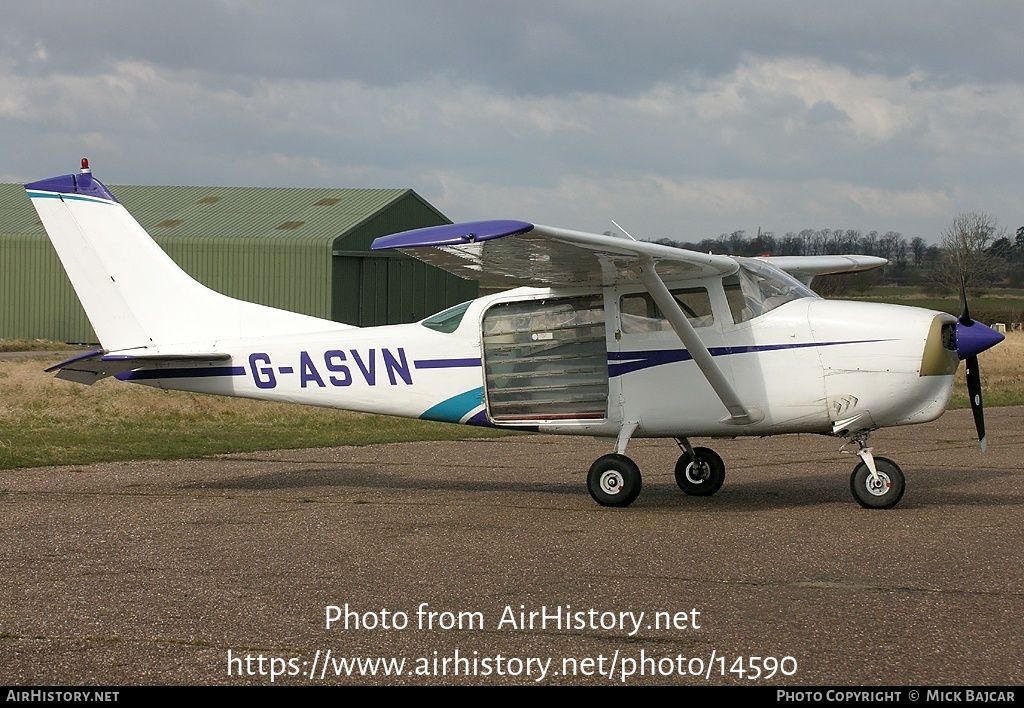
{"type": "Point", "coordinates": [738, 413]}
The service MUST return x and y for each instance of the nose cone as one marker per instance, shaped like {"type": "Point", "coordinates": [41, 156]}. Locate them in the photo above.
{"type": "Point", "coordinates": [975, 338]}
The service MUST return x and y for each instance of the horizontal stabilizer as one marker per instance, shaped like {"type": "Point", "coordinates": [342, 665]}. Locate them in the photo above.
{"type": "Point", "coordinates": [91, 367]}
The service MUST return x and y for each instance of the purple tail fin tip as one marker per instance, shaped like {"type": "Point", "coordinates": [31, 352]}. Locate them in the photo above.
{"type": "Point", "coordinates": [82, 183]}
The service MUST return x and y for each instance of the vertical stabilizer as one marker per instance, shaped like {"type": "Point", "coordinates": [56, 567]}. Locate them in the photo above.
{"type": "Point", "coordinates": [134, 294]}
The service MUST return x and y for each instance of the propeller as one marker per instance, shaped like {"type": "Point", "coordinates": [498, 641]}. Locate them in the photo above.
{"type": "Point", "coordinates": [971, 339]}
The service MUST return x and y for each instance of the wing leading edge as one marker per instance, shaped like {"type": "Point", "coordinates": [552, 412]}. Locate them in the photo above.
{"type": "Point", "coordinates": [805, 268]}
{"type": "Point", "coordinates": [520, 253]}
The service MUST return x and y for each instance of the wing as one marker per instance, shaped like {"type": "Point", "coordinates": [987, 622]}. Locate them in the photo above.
{"type": "Point", "coordinates": [519, 253]}
{"type": "Point", "coordinates": [804, 268]}
{"type": "Point", "coordinates": [516, 252]}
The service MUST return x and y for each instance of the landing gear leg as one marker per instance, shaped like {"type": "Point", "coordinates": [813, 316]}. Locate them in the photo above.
{"type": "Point", "coordinates": [877, 482]}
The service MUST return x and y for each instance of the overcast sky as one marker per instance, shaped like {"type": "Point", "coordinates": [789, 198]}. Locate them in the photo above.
{"type": "Point", "coordinates": [679, 120]}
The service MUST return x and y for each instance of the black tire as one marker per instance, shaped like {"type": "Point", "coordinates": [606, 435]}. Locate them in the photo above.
{"type": "Point", "coordinates": [703, 477]}
{"type": "Point", "coordinates": [614, 480]}
{"type": "Point", "coordinates": [871, 496]}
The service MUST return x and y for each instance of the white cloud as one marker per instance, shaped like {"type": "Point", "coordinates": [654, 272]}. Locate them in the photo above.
{"type": "Point", "coordinates": [782, 143]}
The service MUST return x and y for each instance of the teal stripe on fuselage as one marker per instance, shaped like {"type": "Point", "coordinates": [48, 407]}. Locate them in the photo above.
{"type": "Point", "coordinates": [454, 409]}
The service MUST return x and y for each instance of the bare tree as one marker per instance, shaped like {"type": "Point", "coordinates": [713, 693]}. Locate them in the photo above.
{"type": "Point", "coordinates": [918, 247]}
{"type": "Point", "coordinates": [964, 252]}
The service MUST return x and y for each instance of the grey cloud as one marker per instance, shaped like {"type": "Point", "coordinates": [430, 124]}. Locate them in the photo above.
{"type": "Point", "coordinates": [525, 47]}
{"type": "Point", "coordinates": [684, 118]}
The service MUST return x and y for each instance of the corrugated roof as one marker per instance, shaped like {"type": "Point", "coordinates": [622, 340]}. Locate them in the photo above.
{"type": "Point", "coordinates": [280, 213]}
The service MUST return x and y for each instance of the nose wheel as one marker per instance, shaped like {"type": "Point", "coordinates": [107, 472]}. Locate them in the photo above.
{"type": "Point", "coordinates": [881, 491]}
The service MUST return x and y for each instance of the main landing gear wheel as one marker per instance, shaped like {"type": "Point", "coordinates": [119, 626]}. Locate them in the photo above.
{"type": "Point", "coordinates": [884, 493]}
{"type": "Point", "coordinates": [701, 477]}
{"type": "Point", "coordinates": [614, 480]}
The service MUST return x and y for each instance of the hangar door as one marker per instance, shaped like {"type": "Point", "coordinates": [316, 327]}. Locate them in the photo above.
{"type": "Point", "coordinates": [385, 288]}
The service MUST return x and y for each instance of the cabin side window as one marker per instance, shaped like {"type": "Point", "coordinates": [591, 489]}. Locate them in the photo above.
{"type": "Point", "coordinates": [639, 313]}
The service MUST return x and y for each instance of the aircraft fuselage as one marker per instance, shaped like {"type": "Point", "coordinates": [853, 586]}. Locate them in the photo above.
{"type": "Point", "coordinates": [807, 364]}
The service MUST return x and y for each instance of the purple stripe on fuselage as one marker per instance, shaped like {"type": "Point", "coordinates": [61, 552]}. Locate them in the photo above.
{"type": "Point", "coordinates": [445, 363]}
{"type": "Point", "coordinates": [620, 363]}
{"type": "Point", "coordinates": [184, 373]}
{"type": "Point", "coordinates": [480, 419]}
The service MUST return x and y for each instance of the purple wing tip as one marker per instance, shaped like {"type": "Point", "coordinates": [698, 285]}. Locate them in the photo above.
{"type": "Point", "coordinates": [452, 234]}
{"type": "Point", "coordinates": [83, 184]}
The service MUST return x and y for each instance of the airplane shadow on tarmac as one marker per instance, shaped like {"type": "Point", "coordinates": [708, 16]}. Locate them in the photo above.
{"type": "Point", "coordinates": [930, 487]}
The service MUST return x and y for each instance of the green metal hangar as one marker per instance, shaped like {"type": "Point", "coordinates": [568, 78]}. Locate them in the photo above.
{"type": "Point", "coordinates": [305, 250]}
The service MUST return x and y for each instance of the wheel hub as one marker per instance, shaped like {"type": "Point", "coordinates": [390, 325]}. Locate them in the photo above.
{"type": "Point", "coordinates": [697, 472]}
{"type": "Point", "coordinates": [878, 487]}
{"type": "Point", "coordinates": [610, 482]}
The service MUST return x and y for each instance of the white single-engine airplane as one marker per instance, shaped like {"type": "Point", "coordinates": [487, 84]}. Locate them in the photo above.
{"type": "Point", "coordinates": [621, 339]}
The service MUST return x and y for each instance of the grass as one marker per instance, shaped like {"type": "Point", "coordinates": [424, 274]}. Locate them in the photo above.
{"type": "Point", "coordinates": [32, 345]}
{"type": "Point", "coordinates": [46, 421]}
{"type": "Point", "coordinates": [897, 291]}
{"type": "Point", "coordinates": [1002, 375]}
{"type": "Point", "coordinates": [998, 305]}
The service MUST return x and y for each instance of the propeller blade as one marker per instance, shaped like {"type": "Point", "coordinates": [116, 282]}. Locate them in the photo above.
{"type": "Point", "coordinates": [974, 391]}
{"type": "Point", "coordinates": [972, 338]}
{"type": "Point", "coordinates": [965, 314]}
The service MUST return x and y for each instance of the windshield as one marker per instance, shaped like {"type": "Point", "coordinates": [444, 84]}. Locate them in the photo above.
{"type": "Point", "coordinates": [758, 288]}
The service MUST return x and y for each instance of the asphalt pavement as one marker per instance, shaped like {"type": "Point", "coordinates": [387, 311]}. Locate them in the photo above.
{"type": "Point", "coordinates": [486, 562]}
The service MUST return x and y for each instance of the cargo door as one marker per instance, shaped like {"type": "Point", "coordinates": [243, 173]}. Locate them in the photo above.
{"type": "Point", "coordinates": [546, 360]}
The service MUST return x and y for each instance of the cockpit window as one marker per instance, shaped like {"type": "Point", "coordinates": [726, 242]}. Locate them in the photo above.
{"type": "Point", "coordinates": [757, 288]}
{"type": "Point", "coordinates": [447, 321]}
